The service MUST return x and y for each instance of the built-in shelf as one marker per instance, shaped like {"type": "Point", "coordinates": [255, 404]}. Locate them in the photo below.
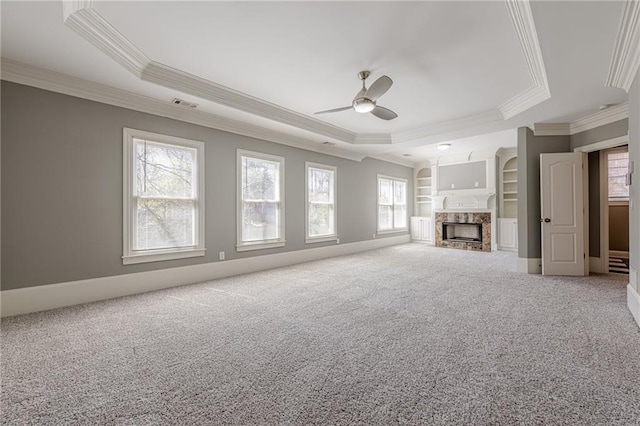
{"type": "Point", "coordinates": [423, 193]}
{"type": "Point", "coordinates": [509, 188]}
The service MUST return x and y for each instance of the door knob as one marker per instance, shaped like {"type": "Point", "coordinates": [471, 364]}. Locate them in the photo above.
{"type": "Point", "coordinates": [547, 220]}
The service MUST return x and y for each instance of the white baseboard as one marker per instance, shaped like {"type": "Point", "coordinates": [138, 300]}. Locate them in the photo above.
{"type": "Point", "coordinates": [596, 264]}
{"type": "Point", "coordinates": [633, 303]}
{"type": "Point", "coordinates": [530, 266]}
{"type": "Point", "coordinates": [44, 297]}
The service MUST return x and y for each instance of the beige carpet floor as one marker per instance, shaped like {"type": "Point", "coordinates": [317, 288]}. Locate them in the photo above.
{"type": "Point", "coordinates": [409, 334]}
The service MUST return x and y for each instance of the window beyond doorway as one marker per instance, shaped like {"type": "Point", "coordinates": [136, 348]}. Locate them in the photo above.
{"type": "Point", "coordinates": [618, 167]}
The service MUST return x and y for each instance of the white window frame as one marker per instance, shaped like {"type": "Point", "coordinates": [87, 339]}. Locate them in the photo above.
{"type": "Point", "coordinates": [131, 256]}
{"type": "Point", "coordinates": [320, 238]}
{"type": "Point", "coordinates": [616, 200]}
{"type": "Point", "coordinates": [406, 196]}
{"type": "Point", "coordinates": [264, 244]}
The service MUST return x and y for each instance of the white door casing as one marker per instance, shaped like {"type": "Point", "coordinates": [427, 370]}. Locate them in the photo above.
{"type": "Point", "coordinates": [562, 185]}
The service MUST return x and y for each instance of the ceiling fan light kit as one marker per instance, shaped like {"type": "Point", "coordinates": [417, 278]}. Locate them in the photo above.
{"type": "Point", "coordinates": [365, 99]}
{"type": "Point", "coordinates": [363, 105]}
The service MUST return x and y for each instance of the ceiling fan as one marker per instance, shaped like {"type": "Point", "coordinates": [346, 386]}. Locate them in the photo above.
{"type": "Point", "coordinates": [365, 100]}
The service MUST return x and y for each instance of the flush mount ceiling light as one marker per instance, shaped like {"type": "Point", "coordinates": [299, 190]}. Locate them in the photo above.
{"type": "Point", "coordinates": [443, 146]}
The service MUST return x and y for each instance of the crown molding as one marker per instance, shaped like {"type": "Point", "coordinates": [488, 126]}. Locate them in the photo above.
{"type": "Point", "coordinates": [597, 119]}
{"type": "Point", "coordinates": [448, 126]}
{"type": "Point", "coordinates": [523, 101]}
{"type": "Point", "coordinates": [72, 6]}
{"type": "Point", "coordinates": [625, 60]}
{"type": "Point", "coordinates": [524, 25]}
{"type": "Point", "coordinates": [551, 129]}
{"type": "Point", "coordinates": [600, 118]}
{"type": "Point", "coordinates": [188, 83]}
{"type": "Point", "coordinates": [391, 159]}
{"type": "Point", "coordinates": [56, 82]}
{"type": "Point", "coordinates": [80, 17]}
{"type": "Point", "coordinates": [96, 30]}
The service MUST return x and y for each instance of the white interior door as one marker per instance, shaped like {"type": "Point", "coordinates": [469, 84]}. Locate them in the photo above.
{"type": "Point", "coordinates": [563, 214]}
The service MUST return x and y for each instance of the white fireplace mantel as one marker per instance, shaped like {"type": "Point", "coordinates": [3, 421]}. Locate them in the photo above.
{"type": "Point", "coordinates": [470, 202]}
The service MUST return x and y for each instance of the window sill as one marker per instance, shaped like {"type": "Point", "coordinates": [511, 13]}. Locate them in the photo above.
{"type": "Point", "coordinates": [392, 231]}
{"type": "Point", "coordinates": [260, 245]}
{"type": "Point", "coordinates": [159, 256]}
{"type": "Point", "coordinates": [321, 239]}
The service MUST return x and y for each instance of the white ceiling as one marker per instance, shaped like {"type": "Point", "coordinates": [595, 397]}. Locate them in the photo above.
{"type": "Point", "coordinates": [447, 59]}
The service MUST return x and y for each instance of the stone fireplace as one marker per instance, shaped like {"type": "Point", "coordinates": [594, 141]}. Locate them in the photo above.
{"type": "Point", "coordinates": [464, 230]}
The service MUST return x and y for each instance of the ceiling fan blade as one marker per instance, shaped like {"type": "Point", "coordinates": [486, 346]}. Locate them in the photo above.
{"type": "Point", "coordinates": [334, 110]}
{"type": "Point", "coordinates": [379, 88]}
{"type": "Point", "coordinates": [384, 113]}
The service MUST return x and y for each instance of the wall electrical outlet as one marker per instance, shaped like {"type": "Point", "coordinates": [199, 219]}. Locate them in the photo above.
{"type": "Point", "coordinates": [453, 186]}
{"type": "Point", "coordinates": [477, 184]}
{"type": "Point", "coordinates": [221, 254]}
{"type": "Point", "coordinates": [337, 240]}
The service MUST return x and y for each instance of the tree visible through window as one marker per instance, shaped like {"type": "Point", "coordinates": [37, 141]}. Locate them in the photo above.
{"type": "Point", "coordinates": [262, 199]}
{"type": "Point", "coordinates": [618, 167]}
{"type": "Point", "coordinates": [392, 204]}
{"type": "Point", "coordinates": [163, 197]}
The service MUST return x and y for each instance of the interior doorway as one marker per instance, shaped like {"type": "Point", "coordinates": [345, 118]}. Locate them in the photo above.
{"type": "Point", "coordinates": [615, 163]}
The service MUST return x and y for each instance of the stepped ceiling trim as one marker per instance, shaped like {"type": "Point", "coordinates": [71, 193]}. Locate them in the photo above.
{"type": "Point", "coordinates": [600, 118]}
{"type": "Point", "coordinates": [625, 60]}
{"type": "Point", "coordinates": [85, 21]}
{"type": "Point", "coordinates": [522, 18]}
{"type": "Point", "coordinates": [73, 86]}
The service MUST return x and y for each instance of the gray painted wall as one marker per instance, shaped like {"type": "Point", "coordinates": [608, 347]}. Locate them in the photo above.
{"type": "Point", "coordinates": [599, 134]}
{"type": "Point", "coordinates": [462, 176]}
{"type": "Point", "coordinates": [634, 189]}
{"type": "Point", "coordinates": [619, 227]}
{"type": "Point", "coordinates": [529, 149]}
{"type": "Point", "coordinates": [62, 188]}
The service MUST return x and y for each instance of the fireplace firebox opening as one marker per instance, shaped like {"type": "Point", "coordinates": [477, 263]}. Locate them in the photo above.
{"type": "Point", "coordinates": [463, 232]}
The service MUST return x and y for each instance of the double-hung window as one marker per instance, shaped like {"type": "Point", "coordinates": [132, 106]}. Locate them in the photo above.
{"type": "Point", "coordinates": [260, 201]}
{"type": "Point", "coordinates": [321, 202]}
{"type": "Point", "coordinates": [392, 204]}
{"type": "Point", "coordinates": [163, 197]}
{"type": "Point", "coordinates": [618, 167]}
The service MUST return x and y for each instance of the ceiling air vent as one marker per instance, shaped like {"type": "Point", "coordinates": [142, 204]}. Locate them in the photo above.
{"type": "Point", "coordinates": [184, 103]}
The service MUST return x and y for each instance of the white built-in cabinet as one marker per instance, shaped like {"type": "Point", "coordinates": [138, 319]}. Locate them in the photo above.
{"type": "Point", "coordinates": [508, 214]}
{"type": "Point", "coordinates": [508, 233]}
{"type": "Point", "coordinates": [421, 224]}
{"type": "Point", "coordinates": [421, 229]}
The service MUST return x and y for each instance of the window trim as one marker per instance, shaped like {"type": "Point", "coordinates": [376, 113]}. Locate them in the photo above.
{"type": "Point", "coordinates": [130, 256]}
{"type": "Point", "coordinates": [394, 230]}
{"type": "Point", "coordinates": [619, 200]}
{"type": "Point", "coordinates": [264, 244]}
{"type": "Point", "coordinates": [328, 237]}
